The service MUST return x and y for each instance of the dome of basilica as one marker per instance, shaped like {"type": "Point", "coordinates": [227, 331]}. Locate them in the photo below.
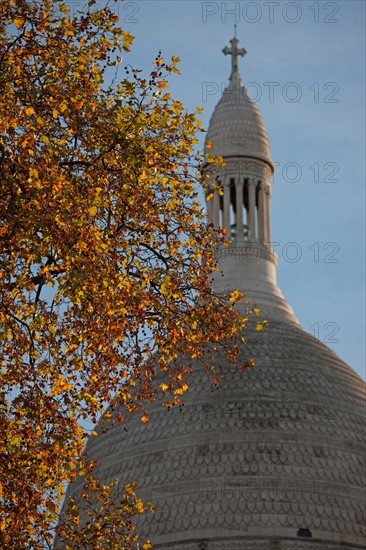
{"type": "Point", "coordinates": [275, 458]}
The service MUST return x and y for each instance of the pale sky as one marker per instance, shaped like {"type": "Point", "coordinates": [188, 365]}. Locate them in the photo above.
{"type": "Point", "coordinates": [305, 66]}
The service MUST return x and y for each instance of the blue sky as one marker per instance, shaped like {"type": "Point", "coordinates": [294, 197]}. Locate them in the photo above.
{"type": "Point", "coordinates": [312, 56]}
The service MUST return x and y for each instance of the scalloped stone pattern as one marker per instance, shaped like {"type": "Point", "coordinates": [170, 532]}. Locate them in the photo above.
{"type": "Point", "coordinates": [236, 127]}
{"type": "Point", "coordinates": [277, 451]}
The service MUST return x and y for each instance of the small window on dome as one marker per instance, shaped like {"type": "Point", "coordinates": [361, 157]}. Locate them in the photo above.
{"type": "Point", "coordinates": [306, 533]}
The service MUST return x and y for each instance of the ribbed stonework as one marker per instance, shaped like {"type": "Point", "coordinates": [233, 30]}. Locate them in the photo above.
{"type": "Point", "coordinates": [275, 458]}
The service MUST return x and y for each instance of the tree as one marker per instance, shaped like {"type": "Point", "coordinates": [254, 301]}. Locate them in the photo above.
{"type": "Point", "coordinates": [106, 261]}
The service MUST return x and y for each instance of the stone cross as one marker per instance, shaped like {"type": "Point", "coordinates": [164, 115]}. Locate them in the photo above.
{"type": "Point", "coordinates": [234, 51]}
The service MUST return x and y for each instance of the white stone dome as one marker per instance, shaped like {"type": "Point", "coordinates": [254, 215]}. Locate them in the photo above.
{"type": "Point", "coordinates": [274, 459]}
{"type": "Point", "coordinates": [236, 127]}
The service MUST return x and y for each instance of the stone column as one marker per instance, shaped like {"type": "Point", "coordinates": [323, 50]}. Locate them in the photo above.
{"type": "Point", "coordinates": [239, 210]}
{"type": "Point", "coordinates": [261, 212]}
{"type": "Point", "coordinates": [226, 217]}
{"type": "Point", "coordinates": [265, 240]}
{"type": "Point", "coordinates": [251, 194]}
{"type": "Point", "coordinates": [268, 224]}
{"type": "Point", "coordinates": [216, 209]}
{"type": "Point", "coordinates": [210, 209]}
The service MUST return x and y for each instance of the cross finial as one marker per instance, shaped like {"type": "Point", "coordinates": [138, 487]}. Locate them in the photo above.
{"type": "Point", "coordinates": [234, 51]}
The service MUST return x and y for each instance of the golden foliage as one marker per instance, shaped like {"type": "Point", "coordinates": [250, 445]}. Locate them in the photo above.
{"type": "Point", "coordinates": [106, 262]}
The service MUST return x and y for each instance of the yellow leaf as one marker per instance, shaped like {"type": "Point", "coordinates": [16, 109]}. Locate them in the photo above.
{"type": "Point", "coordinates": [55, 113]}
{"type": "Point", "coordinates": [63, 8]}
{"type": "Point", "coordinates": [235, 296]}
{"type": "Point", "coordinates": [44, 139]}
{"type": "Point", "coordinates": [19, 22]}
{"type": "Point", "coordinates": [255, 310]}
{"type": "Point", "coordinates": [164, 387]}
{"type": "Point", "coordinates": [163, 84]}
{"type": "Point", "coordinates": [166, 286]}
{"type": "Point", "coordinates": [140, 506]}
{"type": "Point", "coordinates": [29, 111]}
{"type": "Point", "coordinates": [93, 210]}
{"type": "Point", "coordinates": [144, 419]}
{"type": "Point", "coordinates": [127, 40]}
{"type": "Point", "coordinates": [259, 327]}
